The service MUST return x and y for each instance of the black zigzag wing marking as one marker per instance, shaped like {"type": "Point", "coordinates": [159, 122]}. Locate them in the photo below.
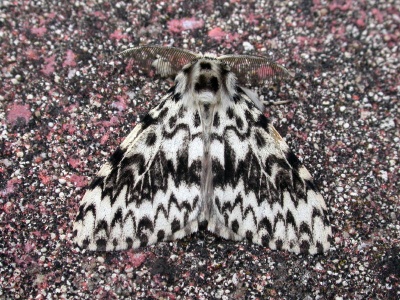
{"type": "Point", "coordinates": [149, 190]}
{"type": "Point", "coordinates": [261, 190]}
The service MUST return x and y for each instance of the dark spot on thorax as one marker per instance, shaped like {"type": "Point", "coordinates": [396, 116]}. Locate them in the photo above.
{"type": "Point", "coordinates": [187, 70]}
{"type": "Point", "coordinates": [206, 83]}
{"type": "Point", "coordinates": [214, 85]}
{"type": "Point", "coordinates": [205, 65]}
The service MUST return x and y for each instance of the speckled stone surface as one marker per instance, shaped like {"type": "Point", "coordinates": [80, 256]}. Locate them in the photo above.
{"type": "Point", "coordinates": [67, 101]}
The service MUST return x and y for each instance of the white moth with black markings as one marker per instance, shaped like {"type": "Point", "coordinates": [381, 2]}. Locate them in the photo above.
{"type": "Point", "coordinates": [205, 157]}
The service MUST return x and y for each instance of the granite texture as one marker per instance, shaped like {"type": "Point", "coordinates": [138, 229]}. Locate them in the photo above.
{"type": "Point", "coordinates": [67, 101]}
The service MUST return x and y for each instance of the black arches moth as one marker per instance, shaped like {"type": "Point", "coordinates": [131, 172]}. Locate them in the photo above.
{"type": "Point", "coordinates": [206, 154]}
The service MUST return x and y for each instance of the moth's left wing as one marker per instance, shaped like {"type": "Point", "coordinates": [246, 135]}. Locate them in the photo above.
{"type": "Point", "coordinates": [149, 190]}
{"type": "Point", "coordinates": [261, 190]}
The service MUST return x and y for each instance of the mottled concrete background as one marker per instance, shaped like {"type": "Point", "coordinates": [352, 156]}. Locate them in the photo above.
{"type": "Point", "coordinates": [66, 102]}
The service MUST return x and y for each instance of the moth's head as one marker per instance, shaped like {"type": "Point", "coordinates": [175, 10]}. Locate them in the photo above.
{"type": "Point", "coordinates": [206, 74]}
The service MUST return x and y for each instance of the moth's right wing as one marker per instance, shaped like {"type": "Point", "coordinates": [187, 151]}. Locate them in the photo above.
{"type": "Point", "coordinates": [149, 190]}
{"type": "Point", "coordinates": [262, 192]}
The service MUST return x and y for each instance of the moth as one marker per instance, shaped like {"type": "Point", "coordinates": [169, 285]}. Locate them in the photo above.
{"type": "Point", "coordinates": [206, 157]}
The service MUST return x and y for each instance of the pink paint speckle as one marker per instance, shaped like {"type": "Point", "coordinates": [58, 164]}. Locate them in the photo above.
{"type": "Point", "coordinates": [18, 113]}
{"type": "Point", "coordinates": [100, 15]}
{"type": "Point", "coordinates": [8, 207]}
{"type": "Point", "coordinates": [361, 20]}
{"type": "Point", "coordinates": [48, 68]}
{"type": "Point", "coordinates": [31, 54]}
{"type": "Point", "coordinates": [44, 178]}
{"type": "Point", "coordinates": [74, 162]}
{"type": "Point", "coordinates": [113, 121]}
{"type": "Point", "coordinates": [338, 31]}
{"type": "Point", "coordinates": [104, 139]}
{"type": "Point", "coordinates": [136, 259]}
{"type": "Point", "coordinates": [70, 128]}
{"type": "Point", "coordinates": [79, 181]}
{"type": "Point", "coordinates": [121, 104]}
{"type": "Point", "coordinates": [377, 15]}
{"type": "Point", "coordinates": [40, 31]}
{"type": "Point", "coordinates": [178, 25]}
{"type": "Point", "coordinates": [252, 18]}
{"type": "Point", "coordinates": [217, 34]}
{"type": "Point", "coordinates": [344, 7]}
{"type": "Point", "coordinates": [29, 246]}
{"type": "Point", "coordinates": [117, 35]}
{"type": "Point", "coordinates": [9, 189]}
{"type": "Point", "coordinates": [69, 59]}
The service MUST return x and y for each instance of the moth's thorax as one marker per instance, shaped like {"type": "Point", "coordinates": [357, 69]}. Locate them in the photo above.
{"type": "Point", "coordinates": [205, 81]}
